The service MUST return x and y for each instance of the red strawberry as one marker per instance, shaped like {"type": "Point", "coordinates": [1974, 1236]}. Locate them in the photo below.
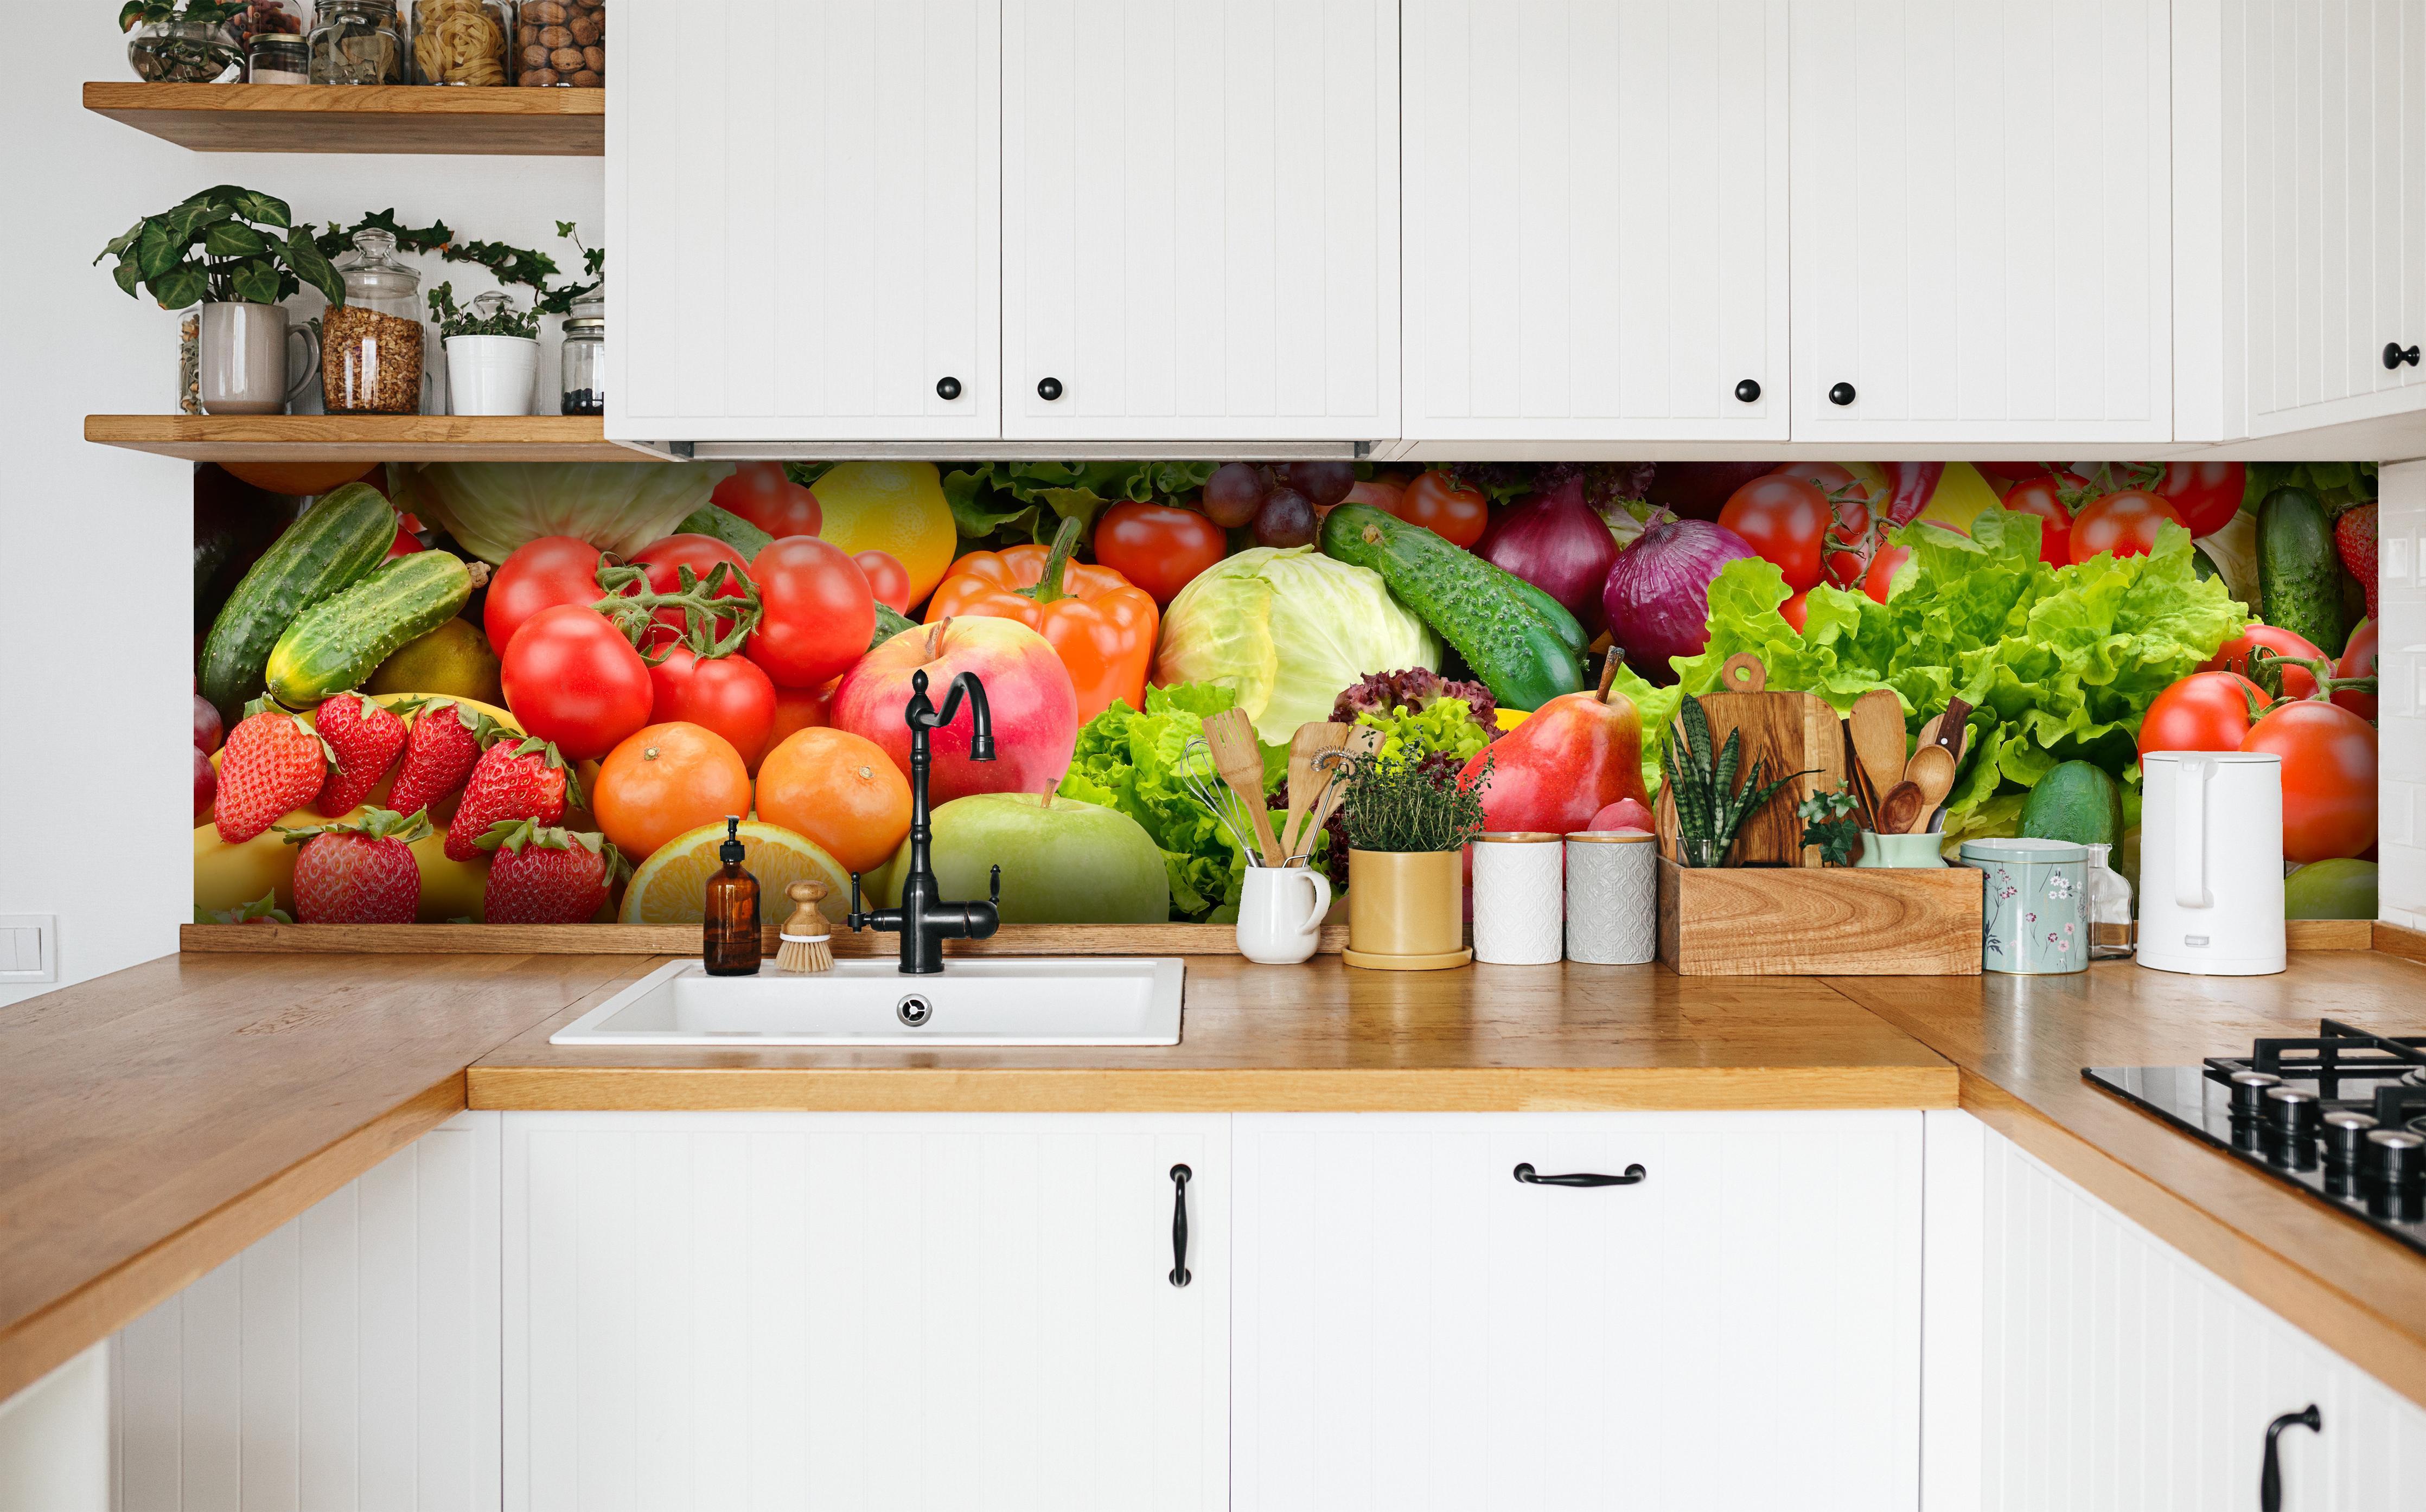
{"type": "Point", "coordinates": [514, 780]}
{"type": "Point", "coordinates": [359, 872]}
{"type": "Point", "coordinates": [272, 765]}
{"type": "Point", "coordinates": [366, 739]}
{"type": "Point", "coordinates": [446, 739]}
{"type": "Point", "coordinates": [543, 876]}
{"type": "Point", "coordinates": [2355, 538]}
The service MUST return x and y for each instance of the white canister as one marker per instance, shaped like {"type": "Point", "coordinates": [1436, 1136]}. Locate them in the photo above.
{"type": "Point", "coordinates": [1518, 913]}
{"type": "Point", "coordinates": [1612, 897]}
{"type": "Point", "coordinates": [490, 375]}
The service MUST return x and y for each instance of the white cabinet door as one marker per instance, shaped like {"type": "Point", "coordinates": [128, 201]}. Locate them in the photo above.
{"type": "Point", "coordinates": [1201, 219]}
{"type": "Point", "coordinates": [1416, 1329]}
{"type": "Point", "coordinates": [1595, 238]}
{"type": "Point", "coordinates": [803, 211]}
{"type": "Point", "coordinates": [864, 1310]}
{"type": "Point", "coordinates": [1982, 221]}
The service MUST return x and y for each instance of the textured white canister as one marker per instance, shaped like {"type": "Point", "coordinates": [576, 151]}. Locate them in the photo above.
{"type": "Point", "coordinates": [1517, 913]}
{"type": "Point", "coordinates": [1612, 897]}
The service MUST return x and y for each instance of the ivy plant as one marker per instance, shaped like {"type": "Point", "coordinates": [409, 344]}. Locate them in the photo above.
{"type": "Point", "coordinates": [153, 12]}
{"type": "Point", "coordinates": [491, 315]}
{"type": "Point", "coordinates": [224, 244]}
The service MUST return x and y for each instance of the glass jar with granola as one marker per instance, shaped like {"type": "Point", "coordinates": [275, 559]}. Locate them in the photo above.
{"type": "Point", "coordinates": [370, 346]}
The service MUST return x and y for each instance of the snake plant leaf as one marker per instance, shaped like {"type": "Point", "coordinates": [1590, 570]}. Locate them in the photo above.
{"type": "Point", "coordinates": [233, 239]}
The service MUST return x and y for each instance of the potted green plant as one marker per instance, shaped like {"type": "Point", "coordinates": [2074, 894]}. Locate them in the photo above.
{"type": "Point", "coordinates": [492, 353]}
{"type": "Point", "coordinates": [1408, 824]}
{"type": "Point", "coordinates": [1712, 802]}
{"type": "Point", "coordinates": [182, 41]}
{"type": "Point", "coordinates": [235, 252]}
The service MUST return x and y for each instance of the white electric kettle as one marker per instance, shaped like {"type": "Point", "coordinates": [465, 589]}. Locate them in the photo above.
{"type": "Point", "coordinates": [2211, 862]}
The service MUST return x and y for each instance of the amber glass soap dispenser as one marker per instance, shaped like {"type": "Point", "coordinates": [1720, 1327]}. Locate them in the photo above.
{"type": "Point", "coordinates": [730, 933]}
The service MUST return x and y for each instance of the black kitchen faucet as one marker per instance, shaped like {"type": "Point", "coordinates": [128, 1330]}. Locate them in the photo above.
{"type": "Point", "coordinates": [924, 920]}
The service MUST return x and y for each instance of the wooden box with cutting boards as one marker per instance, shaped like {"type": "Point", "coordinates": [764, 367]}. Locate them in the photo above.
{"type": "Point", "coordinates": [1776, 911]}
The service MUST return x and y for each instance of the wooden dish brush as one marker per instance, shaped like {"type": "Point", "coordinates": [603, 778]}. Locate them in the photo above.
{"type": "Point", "coordinates": [807, 944]}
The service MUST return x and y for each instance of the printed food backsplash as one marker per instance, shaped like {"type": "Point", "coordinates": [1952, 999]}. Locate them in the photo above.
{"type": "Point", "coordinates": [533, 692]}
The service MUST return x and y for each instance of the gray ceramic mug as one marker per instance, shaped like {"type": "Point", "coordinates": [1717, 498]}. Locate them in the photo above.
{"type": "Point", "coordinates": [242, 359]}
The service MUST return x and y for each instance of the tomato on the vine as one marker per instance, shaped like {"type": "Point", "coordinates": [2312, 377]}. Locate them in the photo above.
{"type": "Point", "coordinates": [2234, 656]}
{"type": "Point", "coordinates": [818, 612]}
{"type": "Point", "coordinates": [1787, 519]}
{"type": "Point", "coordinates": [2043, 496]}
{"type": "Point", "coordinates": [2125, 523]}
{"type": "Point", "coordinates": [2357, 660]}
{"type": "Point", "coordinates": [540, 574]}
{"type": "Point", "coordinates": [886, 578]}
{"type": "Point", "coordinates": [571, 677]}
{"type": "Point", "coordinates": [729, 695]}
{"type": "Point", "coordinates": [2206, 494]}
{"type": "Point", "coordinates": [663, 560]}
{"type": "Point", "coordinates": [1159, 547]}
{"type": "Point", "coordinates": [1843, 564]}
{"type": "Point", "coordinates": [1796, 610]}
{"type": "Point", "coordinates": [2204, 711]}
{"type": "Point", "coordinates": [762, 495]}
{"type": "Point", "coordinates": [1879, 580]}
{"type": "Point", "coordinates": [2329, 760]}
{"type": "Point", "coordinates": [1444, 506]}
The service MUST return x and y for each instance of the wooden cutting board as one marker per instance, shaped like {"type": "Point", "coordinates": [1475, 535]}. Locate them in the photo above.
{"type": "Point", "coordinates": [1787, 732]}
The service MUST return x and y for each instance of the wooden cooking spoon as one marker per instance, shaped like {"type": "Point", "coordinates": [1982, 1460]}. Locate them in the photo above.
{"type": "Point", "coordinates": [1304, 778]}
{"type": "Point", "coordinates": [1901, 812]}
{"type": "Point", "coordinates": [1877, 719]}
{"type": "Point", "coordinates": [1930, 773]}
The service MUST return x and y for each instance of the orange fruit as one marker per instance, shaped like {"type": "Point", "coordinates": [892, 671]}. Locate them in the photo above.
{"type": "Point", "coordinates": [794, 709]}
{"type": "Point", "coordinates": [841, 791]}
{"type": "Point", "coordinates": [665, 780]}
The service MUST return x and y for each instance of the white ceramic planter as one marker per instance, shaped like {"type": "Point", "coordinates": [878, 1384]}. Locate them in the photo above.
{"type": "Point", "coordinates": [490, 375]}
{"type": "Point", "coordinates": [240, 359]}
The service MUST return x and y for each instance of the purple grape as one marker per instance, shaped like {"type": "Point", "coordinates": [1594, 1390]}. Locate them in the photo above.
{"type": "Point", "coordinates": [1324, 484]}
{"type": "Point", "coordinates": [1286, 520]}
{"type": "Point", "coordinates": [1233, 494]}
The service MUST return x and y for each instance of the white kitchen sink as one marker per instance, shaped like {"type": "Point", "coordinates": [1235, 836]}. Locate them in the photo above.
{"type": "Point", "coordinates": [981, 1003]}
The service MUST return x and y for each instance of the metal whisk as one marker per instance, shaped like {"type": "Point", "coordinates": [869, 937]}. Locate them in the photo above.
{"type": "Point", "coordinates": [1205, 784]}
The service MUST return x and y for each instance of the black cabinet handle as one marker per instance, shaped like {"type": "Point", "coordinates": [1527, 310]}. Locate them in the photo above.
{"type": "Point", "coordinates": [1048, 390]}
{"type": "Point", "coordinates": [1179, 1275]}
{"type": "Point", "coordinates": [2269, 1475]}
{"type": "Point", "coordinates": [948, 388]}
{"type": "Point", "coordinates": [1633, 1173]}
{"type": "Point", "coordinates": [2395, 354]}
{"type": "Point", "coordinates": [1841, 393]}
{"type": "Point", "coordinates": [1748, 391]}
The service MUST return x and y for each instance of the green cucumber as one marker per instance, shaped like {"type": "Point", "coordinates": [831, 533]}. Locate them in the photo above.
{"type": "Point", "coordinates": [728, 527]}
{"type": "Point", "coordinates": [2299, 573]}
{"type": "Point", "coordinates": [337, 643]}
{"type": "Point", "coordinates": [1495, 620]}
{"type": "Point", "coordinates": [2075, 801]}
{"type": "Point", "coordinates": [340, 541]}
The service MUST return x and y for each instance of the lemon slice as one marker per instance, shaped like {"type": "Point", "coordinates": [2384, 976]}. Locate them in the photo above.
{"type": "Point", "coordinates": [670, 886]}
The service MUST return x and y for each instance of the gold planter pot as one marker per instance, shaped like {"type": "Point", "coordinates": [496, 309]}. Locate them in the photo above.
{"type": "Point", "coordinates": [1406, 910]}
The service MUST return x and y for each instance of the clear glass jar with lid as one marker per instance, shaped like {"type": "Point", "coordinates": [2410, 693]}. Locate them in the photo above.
{"type": "Point", "coordinates": [357, 41]}
{"type": "Point", "coordinates": [584, 355]}
{"type": "Point", "coordinates": [370, 346]}
{"type": "Point", "coordinates": [462, 42]}
{"type": "Point", "coordinates": [280, 58]}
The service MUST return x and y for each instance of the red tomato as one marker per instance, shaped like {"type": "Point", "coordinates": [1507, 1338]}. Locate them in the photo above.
{"type": "Point", "coordinates": [2234, 654]}
{"type": "Point", "coordinates": [664, 560]}
{"type": "Point", "coordinates": [1844, 567]}
{"type": "Point", "coordinates": [819, 616]}
{"type": "Point", "coordinates": [1159, 548]}
{"type": "Point", "coordinates": [572, 678]}
{"type": "Point", "coordinates": [2329, 758]}
{"type": "Point", "coordinates": [760, 494]}
{"type": "Point", "coordinates": [1879, 580]}
{"type": "Point", "coordinates": [2357, 660]}
{"type": "Point", "coordinates": [726, 694]}
{"type": "Point", "coordinates": [2206, 494]}
{"type": "Point", "coordinates": [2042, 496]}
{"type": "Point", "coordinates": [2204, 711]}
{"type": "Point", "coordinates": [405, 544]}
{"type": "Point", "coordinates": [540, 574]}
{"type": "Point", "coordinates": [1786, 519]}
{"type": "Point", "coordinates": [1796, 610]}
{"type": "Point", "coordinates": [1444, 506]}
{"type": "Point", "coordinates": [886, 578]}
{"type": "Point", "coordinates": [2124, 522]}
{"type": "Point", "coordinates": [2012, 472]}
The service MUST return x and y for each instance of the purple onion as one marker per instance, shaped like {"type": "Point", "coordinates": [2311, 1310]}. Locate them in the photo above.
{"type": "Point", "coordinates": [1556, 543]}
{"type": "Point", "coordinates": [1657, 595]}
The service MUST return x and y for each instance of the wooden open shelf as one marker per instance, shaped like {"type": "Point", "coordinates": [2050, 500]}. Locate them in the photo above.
{"type": "Point", "coordinates": [320, 118]}
{"type": "Point", "coordinates": [366, 439]}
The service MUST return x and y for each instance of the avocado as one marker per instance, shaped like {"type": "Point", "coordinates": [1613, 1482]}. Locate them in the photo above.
{"type": "Point", "coordinates": [2331, 890]}
{"type": "Point", "coordinates": [2076, 802]}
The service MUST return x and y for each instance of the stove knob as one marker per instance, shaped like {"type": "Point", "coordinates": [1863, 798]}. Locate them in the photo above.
{"type": "Point", "coordinates": [2291, 1112]}
{"type": "Point", "coordinates": [2399, 1158]}
{"type": "Point", "coordinates": [2345, 1137]}
{"type": "Point", "coordinates": [2249, 1092]}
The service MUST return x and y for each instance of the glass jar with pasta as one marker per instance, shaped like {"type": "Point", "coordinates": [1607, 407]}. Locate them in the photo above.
{"type": "Point", "coordinates": [462, 42]}
{"type": "Point", "coordinates": [561, 43]}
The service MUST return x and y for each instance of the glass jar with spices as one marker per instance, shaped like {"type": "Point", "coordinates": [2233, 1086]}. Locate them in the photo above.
{"type": "Point", "coordinates": [462, 42]}
{"type": "Point", "coordinates": [280, 58]}
{"type": "Point", "coordinates": [266, 18]}
{"type": "Point", "coordinates": [585, 366]}
{"type": "Point", "coordinates": [561, 42]}
{"type": "Point", "coordinates": [370, 346]}
{"type": "Point", "coordinates": [357, 41]}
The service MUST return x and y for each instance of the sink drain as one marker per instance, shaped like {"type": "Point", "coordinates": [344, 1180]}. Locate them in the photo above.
{"type": "Point", "coordinates": [913, 1011]}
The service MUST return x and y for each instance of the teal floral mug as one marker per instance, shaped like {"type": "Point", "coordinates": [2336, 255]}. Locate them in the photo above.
{"type": "Point", "coordinates": [2036, 921]}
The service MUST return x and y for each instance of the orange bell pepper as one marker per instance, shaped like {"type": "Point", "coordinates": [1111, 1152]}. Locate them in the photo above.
{"type": "Point", "coordinates": [1102, 627]}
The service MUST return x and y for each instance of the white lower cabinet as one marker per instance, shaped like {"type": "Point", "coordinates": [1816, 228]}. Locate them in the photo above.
{"type": "Point", "coordinates": [864, 1311]}
{"type": "Point", "coordinates": [1416, 1328]}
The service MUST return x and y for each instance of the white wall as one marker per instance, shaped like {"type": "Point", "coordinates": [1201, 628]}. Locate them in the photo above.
{"type": "Point", "coordinates": [2401, 704]}
{"type": "Point", "coordinates": [95, 817]}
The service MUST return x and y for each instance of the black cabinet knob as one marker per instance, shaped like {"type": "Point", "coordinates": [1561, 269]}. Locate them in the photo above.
{"type": "Point", "coordinates": [1841, 393]}
{"type": "Point", "coordinates": [1048, 390]}
{"type": "Point", "coordinates": [948, 388]}
{"type": "Point", "coordinates": [2395, 354]}
{"type": "Point", "coordinates": [1748, 391]}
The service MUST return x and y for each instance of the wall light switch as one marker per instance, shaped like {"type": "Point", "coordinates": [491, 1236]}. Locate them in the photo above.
{"type": "Point", "coordinates": [29, 947]}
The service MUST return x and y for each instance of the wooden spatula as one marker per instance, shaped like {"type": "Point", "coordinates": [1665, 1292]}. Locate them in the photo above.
{"type": "Point", "coordinates": [1231, 737]}
{"type": "Point", "coordinates": [1305, 779]}
{"type": "Point", "coordinates": [1928, 735]}
{"type": "Point", "coordinates": [1930, 773]}
{"type": "Point", "coordinates": [1363, 740]}
{"type": "Point", "coordinates": [1878, 738]}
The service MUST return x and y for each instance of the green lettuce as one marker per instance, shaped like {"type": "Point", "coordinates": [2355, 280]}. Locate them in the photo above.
{"type": "Point", "coordinates": [1007, 502]}
{"type": "Point", "coordinates": [1443, 725]}
{"type": "Point", "coordinates": [2059, 664]}
{"type": "Point", "coordinates": [1130, 760]}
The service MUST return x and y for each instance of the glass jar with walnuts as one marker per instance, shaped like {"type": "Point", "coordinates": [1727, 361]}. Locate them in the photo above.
{"type": "Point", "coordinates": [561, 42]}
{"type": "Point", "coordinates": [462, 42]}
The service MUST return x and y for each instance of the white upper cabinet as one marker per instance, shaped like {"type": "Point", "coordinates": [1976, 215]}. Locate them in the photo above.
{"type": "Point", "coordinates": [1201, 219]}
{"type": "Point", "coordinates": [1981, 209]}
{"type": "Point", "coordinates": [1596, 221]}
{"type": "Point", "coordinates": [803, 212]}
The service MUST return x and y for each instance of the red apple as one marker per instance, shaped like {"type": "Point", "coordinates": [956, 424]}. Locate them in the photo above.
{"type": "Point", "coordinates": [1625, 813]}
{"type": "Point", "coordinates": [1034, 705]}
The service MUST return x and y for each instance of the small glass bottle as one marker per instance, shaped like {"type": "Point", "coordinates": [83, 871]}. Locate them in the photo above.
{"type": "Point", "coordinates": [370, 346]}
{"type": "Point", "coordinates": [280, 58]}
{"type": "Point", "coordinates": [585, 366]}
{"type": "Point", "coordinates": [729, 932]}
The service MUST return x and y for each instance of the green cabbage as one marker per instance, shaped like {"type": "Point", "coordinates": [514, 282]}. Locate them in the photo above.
{"type": "Point", "coordinates": [1286, 630]}
{"type": "Point", "coordinates": [492, 507]}
{"type": "Point", "coordinates": [1130, 760]}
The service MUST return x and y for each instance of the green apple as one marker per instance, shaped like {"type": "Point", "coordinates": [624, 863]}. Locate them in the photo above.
{"type": "Point", "coordinates": [1063, 860]}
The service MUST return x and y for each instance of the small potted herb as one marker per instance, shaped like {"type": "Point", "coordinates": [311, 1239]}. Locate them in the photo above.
{"type": "Point", "coordinates": [492, 353]}
{"type": "Point", "coordinates": [235, 252]}
{"type": "Point", "coordinates": [1408, 824]}
{"type": "Point", "coordinates": [182, 41]}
